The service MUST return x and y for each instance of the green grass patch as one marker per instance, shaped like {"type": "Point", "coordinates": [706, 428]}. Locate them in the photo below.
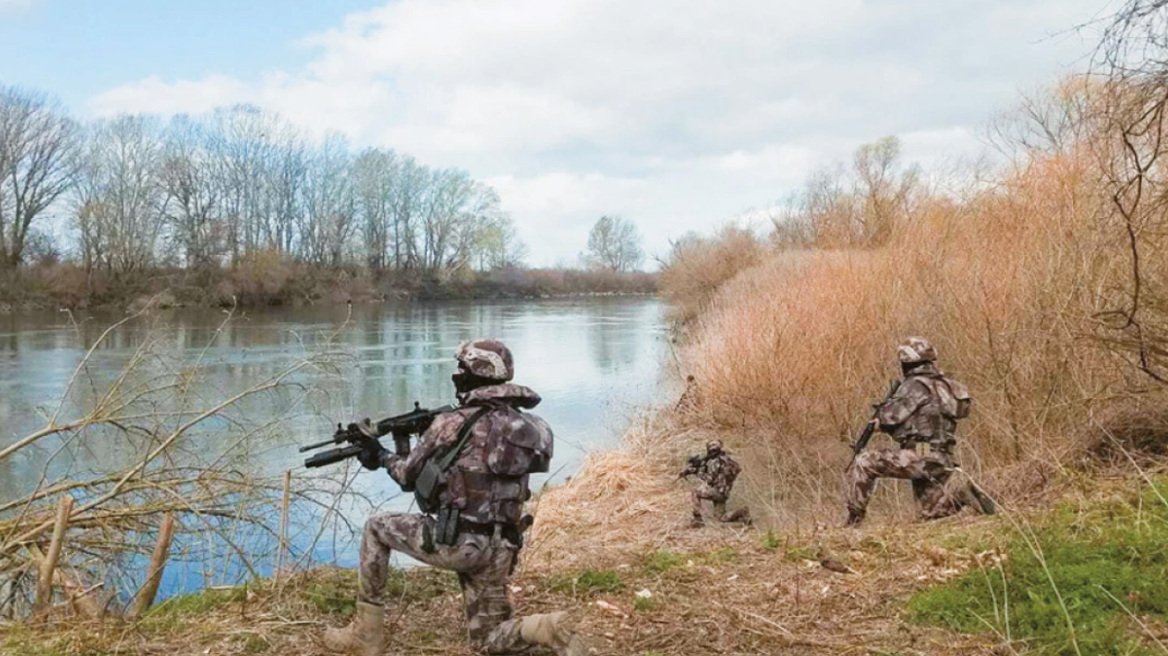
{"type": "Point", "coordinates": [1071, 581]}
{"type": "Point", "coordinates": [22, 640]}
{"type": "Point", "coordinates": [799, 554]}
{"type": "Point", "coordinates": [660, 562]}
{"type": "Point", "coordinates": [197, 603]}
{"type": "Point", "coordinates": [588, 581]}
{"type": "Point", "coordinates": [723, 555]}
{"type": "Point", "coordinates": [335, 595]}
{"type": "Point", "coordinates": [644, 604]}
{"type": "Point", "coordinates": [770, 542]}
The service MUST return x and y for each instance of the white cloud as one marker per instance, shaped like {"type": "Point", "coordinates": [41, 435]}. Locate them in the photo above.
{"type": "Point", "coordinates": [677, 114]}
{"type": "Point", "coordinates": [153, 96]}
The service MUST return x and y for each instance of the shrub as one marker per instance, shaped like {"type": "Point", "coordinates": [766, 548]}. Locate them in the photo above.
{"type": "Point", "coordinates": [697, 267]}
{"type": "Point", "coordinates": [1090, 570]}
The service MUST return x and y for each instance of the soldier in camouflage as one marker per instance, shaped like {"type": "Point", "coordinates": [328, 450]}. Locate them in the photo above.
{"type": "Point", "coordinates": [716, 472]}
{"type": "Point", "coordinates": [479, 457]}
{"type": "Point", "coordinates": [923, 410]}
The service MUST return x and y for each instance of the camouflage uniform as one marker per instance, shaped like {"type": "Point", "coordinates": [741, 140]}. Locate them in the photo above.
{"type": "Point", "coordinates": [924, 409]}
{"type": "Point", "coordinates": [487, 484]}
{"type": "Point", "coordinates": [716, 472]}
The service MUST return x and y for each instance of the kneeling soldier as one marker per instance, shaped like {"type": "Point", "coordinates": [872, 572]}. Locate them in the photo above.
{"type": "Point", "coordinates": [470, 473]}
{"type": "Point", "coordinates": [924, 409]}
{"type": "Point", "coordinates": [716, 472]}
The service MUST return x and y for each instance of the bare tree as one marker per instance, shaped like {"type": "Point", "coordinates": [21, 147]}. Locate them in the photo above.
{"type": "Point", "coordinates": [499, 245]}
{"type": "Point", "coordinates": [243, 143]}
{"type": "Point", "coordinates": [615, 244]}
{"type": "Point", "coordinates": [192, 197]}
{"type": "Point", "coordinates": [121, 199]}
{"type": "Point", "coordinates": [36, 165]}
{"type": "Point", "coordinates": [329, 219]}
{"type": "Point", "coordinates": [1048, 120]}
{"type": "Point", "coordinates": [409, 198]}
{"type": "Point", "coordinates": [1133, 57]}
{"type": "Point", "coordinates": [375, 173]}
{"type": "Point", "coordinates": [861, 206]}
{"type": "Point", "coordinates": [210, 190]}
{"type": "Point", "coordinates": [883, 190]}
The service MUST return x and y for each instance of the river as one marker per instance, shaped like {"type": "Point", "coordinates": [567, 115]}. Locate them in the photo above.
{"type": "Point", "coordinates": [596, 362]}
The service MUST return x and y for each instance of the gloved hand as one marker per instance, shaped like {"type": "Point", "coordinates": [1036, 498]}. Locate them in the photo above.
{"type": "Point", "coordinates": [371, 458]}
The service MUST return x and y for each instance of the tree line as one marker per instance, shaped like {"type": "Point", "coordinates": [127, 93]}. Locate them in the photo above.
{"type": "Point", "coordinates": [137, 193]}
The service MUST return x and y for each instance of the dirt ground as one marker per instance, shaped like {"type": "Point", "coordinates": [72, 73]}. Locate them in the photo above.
{"type": "Point", "coordinates": [613, 548]}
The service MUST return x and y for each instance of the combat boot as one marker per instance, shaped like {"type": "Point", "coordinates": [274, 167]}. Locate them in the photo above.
{"type": "Point", "coordinates": [362, 636]}
{"type": "Point", "coordinates": [854, 519]}
{"type": "Point", "coordinates": [553, 630]}
{"type": "Point", "coordinates": [987, 505]}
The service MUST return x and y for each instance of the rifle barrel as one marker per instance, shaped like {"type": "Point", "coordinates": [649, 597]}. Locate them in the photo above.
{"type": "Point", "coordinates": [317, 445]}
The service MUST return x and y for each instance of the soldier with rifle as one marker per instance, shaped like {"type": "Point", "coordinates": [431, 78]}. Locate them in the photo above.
{"type": "Point", "coordinates": [922, 408]}
{"type": "Point", "coordinates": [469, 472]}
{"type": "Point", "coordinates": [716, 472]}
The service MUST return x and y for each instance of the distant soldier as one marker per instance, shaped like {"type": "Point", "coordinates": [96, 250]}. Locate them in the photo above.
{"type": "Point", "coordinates": [923, 409]}
{"type": "Point", "coordinates": [716, 472]}
{"type": "Point", "coordinates": [470, 474]}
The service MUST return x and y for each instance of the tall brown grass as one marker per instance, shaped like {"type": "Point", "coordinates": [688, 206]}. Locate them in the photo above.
{"type": "Point", "coordinates": [1016, 283]}
{"type": "Point", "coordinates": [698, 266]}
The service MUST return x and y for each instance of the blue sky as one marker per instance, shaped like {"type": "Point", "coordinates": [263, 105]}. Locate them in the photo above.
{"type": "Point", "coordinates": [79, 48]}
{"type": "Point", "coordinates": [676, 114]}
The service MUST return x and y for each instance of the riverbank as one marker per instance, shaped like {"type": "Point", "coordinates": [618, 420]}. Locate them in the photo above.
{"type": "Point", "coordinates": [612, 547]}
{"type": "Point", "coordinates": [260, 282]}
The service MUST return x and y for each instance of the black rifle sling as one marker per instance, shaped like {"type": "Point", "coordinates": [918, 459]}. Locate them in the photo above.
{"type": "Point", "coordinates": [428, 481]}
{"type": "Point", "coordinates": [463, 437]}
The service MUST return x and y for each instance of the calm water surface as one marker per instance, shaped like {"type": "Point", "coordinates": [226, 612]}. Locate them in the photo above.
{"type": "Point", "coordinates": [596, 362]}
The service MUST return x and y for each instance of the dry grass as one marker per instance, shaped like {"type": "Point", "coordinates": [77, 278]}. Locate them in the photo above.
{"type": "Point", "coordinates": [697, 266]}
{"type": "Point", "coordinates": [1012, 283]}
{"type": "Point", "coordinates": [718, 590]}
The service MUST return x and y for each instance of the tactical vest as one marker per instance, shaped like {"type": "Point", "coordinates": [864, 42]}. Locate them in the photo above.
{"type": "Point", "coordinates": [720, 472]}
{"type": "Point", "coordinates": [935, 421]}
{"type": "Point", "coordinates": [488, 482]}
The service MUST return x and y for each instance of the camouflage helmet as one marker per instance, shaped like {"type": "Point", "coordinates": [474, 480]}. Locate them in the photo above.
{"type": "Point", "coordinates": [916, 349]}
{"type": "Point", "coordinates": [486, 358]}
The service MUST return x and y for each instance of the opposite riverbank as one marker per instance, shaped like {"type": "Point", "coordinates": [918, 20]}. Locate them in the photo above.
{"type": "Point", "coordinates": [260, 282]}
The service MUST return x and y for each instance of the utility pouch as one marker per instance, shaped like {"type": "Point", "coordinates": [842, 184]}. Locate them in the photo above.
{"type": "Point", "coordinates": [446, 527]}
{"type": "Point", "coordinates": [427, 484]}
{"type": "Point", "coordinates": [430, 479]}
{"type": "Point", "coordinates": [427, 538]}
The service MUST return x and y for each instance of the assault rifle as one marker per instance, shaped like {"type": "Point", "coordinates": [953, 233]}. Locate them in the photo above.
{"type": "Point", "coordinates": [693, 468]}
{"type": "Point", "coordinates": [870, 428]}
{"type": "Point", "coordinates": [363, 436]}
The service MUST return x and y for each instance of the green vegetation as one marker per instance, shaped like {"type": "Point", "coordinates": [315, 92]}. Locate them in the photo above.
{"type": "Point", "coordinates": [723, 555]}
{"type": "Point", "coordinates": [794, 554]}
{"type": "Point", "coordinates": [198, 603]}
{"type": "Point", "coordinates": [588, 581]}
{"type": "Point", "coordinates": [661, 561]}
{"type": "Point", "coordinates": [769, 542]}
{"type": "Point", "coordinates": [328, 597]}
{"type": "Point", "coordinates": [1081, 583]}
{"type": "Point", "coordinates": [644, 604]}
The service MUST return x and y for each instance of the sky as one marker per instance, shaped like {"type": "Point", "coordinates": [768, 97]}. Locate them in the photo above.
{"type": "Point", "coordinates": [678, 115]}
